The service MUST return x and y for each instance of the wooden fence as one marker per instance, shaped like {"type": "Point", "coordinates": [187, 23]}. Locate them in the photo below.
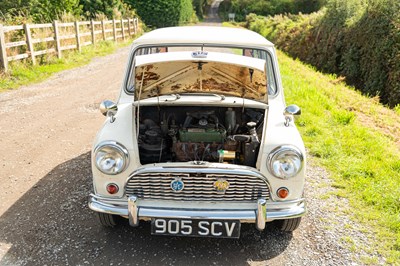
{"type": "Point", "coordinates": [60, 33]}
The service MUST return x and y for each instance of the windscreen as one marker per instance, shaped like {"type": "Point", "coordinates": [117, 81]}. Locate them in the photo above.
{"type": "Point", "coordinates": [239, 80]}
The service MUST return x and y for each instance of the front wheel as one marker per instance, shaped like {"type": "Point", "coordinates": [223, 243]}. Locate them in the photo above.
{"type": "Point", "coordinates": [107, 220]}
{"type": "Point", "coordinates": [288, 225]}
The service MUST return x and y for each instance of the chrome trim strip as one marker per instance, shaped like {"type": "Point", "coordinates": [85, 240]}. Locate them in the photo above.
{"type": "Point", "coordinates": [242, 215]}
{"type": "Point", "coordinates": [287, 213]}
{"type": "Point", "coordinates": [272, 210]}
{"type": "Point", "coordinates": [208, 168]}
{"type": "Point", "coordinates": [111, 206]}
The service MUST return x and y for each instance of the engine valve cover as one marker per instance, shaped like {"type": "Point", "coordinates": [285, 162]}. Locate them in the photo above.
{"type": "Point", "coordinates": [202, 135]}
{"type": "Point", "coordinates": [189, 151]}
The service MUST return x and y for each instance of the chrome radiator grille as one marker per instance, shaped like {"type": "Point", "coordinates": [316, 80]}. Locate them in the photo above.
{"type": "Point", "coordinates": [197, 187]}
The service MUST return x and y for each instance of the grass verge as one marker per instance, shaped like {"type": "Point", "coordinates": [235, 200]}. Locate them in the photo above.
{"type": "Point", "coordinates": [22, 73]}
{"type": "Point", "coordinates": [357, 140]}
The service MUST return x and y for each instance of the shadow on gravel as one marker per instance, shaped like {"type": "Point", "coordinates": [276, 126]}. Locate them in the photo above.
{"type": "Point", "coordinates": [51, 224]}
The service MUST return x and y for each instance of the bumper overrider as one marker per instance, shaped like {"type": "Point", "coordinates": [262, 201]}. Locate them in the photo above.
{"type": "Point", "coordinates": [259, 213]}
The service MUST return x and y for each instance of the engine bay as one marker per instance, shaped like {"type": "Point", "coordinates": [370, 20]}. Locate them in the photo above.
{"type": "Point", "coordinates": [192, 133]}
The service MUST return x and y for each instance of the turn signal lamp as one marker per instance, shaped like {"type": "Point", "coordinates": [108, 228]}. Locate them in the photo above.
{"type": "Point", "coordinates": [282, 192]}
{"type": "Point", "coordinates": [112, 188]}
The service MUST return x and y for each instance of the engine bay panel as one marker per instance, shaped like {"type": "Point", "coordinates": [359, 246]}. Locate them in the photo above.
{"type": "Point", "coordinates": [188, 133]}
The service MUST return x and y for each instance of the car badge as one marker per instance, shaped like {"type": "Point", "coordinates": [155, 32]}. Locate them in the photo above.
{"type": "Point", "coordinates": [221, 185]}
{"type": "Point", "coordinates": [199, 54]}
{"type": "Point", "coordinates": [177, 184]}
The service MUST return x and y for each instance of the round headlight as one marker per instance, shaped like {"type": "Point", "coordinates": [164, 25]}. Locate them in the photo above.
{"type": "Point", "coordinates": [111, 158]}
{"type": "Point", "coordinates": [285, 162]}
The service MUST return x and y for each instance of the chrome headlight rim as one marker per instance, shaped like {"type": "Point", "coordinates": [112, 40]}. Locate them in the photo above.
{"type": "Point", "coordinates": [284, 149]}
{"type": "Point", "coordinates": [119, 148]}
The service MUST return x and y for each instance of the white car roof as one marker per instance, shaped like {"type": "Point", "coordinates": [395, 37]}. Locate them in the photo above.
{"type": "Point", "coordinates": [204, 35]}
{"type": "Point", "coordinates": [211, 57]}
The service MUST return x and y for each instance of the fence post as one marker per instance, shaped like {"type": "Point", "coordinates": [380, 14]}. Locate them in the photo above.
{"type": "Point", "coordinates": [56, 38]}
{"type": "Point", "coordinates": [92, 28]}
{"type": "Point", "coordinates": [114, 30]}
{"type": "Point", "coordinates": [122, 29]}
{"type": "Point", "coordinates": [3, 51]}
{"type": "Point", "coordinates": [135, 25]}
{"type": "Point", "coordinates": [103, 30]}
{"type": "Point", "coordinates": [29, 43]}
{"type": "Point", "coordinates": [78, 37]}
{"type": "Point", "coordinates": [129, 26]}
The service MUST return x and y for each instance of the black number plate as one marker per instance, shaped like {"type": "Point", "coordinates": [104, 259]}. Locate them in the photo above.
{"type": "Point", "coordinates": [199, 228]}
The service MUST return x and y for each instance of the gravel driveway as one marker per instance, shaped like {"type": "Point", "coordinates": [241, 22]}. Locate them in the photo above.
{"type": "Point", "coordinates": [46, 132]}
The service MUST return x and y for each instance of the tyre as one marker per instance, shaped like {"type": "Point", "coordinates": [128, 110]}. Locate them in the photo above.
{"type": "Point", "coordinates": [107, 220]}
{"type": "Point", "coordinates": [288, 225]}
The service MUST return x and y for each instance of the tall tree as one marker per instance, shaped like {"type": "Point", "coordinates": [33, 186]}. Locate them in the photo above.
{"type": "Point", "coordinates": [163, 13]}
{"type": "Point", "coordinates": [106, 7]}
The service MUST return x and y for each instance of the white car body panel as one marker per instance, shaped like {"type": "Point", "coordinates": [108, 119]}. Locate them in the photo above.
{"type": "Point", "coordinates": [122, 129]}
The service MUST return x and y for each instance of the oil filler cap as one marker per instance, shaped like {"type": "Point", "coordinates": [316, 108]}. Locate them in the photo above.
{"type": "Point", "coordinates": [251, 124]}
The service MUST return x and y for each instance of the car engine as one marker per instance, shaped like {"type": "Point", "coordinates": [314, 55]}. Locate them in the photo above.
{"type": "Point", "coordinates": [214, 134]}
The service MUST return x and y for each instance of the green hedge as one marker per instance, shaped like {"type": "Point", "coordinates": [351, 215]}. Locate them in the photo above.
{"type": "Point", "coordinates": [267, 7]}
{"type": "Point", "coordinates": [41, 11]}
{"type": "Point", "coordinates": [164, 13]}
{"type": "Point", "coordinates": [356, 39]}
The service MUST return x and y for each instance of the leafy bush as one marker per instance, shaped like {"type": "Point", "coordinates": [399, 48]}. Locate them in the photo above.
{"type": "Point", "coordinates": [110, 8]}
{"type": "Point", "coordinates": [48, 10]}
{"type": "Point", "coordinates": [357, 39]}
{"type": "Point", "coordinates": [268, 7]}
{"type": "Point", "coordinates": [39, 10]}
{"type": "Point", "coordinates": [164, 13]}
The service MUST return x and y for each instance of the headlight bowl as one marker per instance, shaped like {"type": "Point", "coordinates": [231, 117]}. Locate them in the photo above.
{"type": "Point", "coordinates": [111, 158]}
{"type": "Point", "coordinates": [285, 162]}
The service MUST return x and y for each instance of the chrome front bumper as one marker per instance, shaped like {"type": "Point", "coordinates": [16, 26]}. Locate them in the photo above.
{"type": "Point", "coordinates": [259, 213]}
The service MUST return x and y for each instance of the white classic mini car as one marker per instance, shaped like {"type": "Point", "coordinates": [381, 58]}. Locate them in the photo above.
{"type": "Point", "coordinates": [200, 139]}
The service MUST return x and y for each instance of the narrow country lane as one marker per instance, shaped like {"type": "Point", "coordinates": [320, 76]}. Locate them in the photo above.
{"type": "Point", "coordinates": [46, 131]}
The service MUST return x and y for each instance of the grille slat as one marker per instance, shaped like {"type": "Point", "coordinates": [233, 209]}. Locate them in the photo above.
{"type": "Point", "coordinates": [198, 187]}
{"type": "Point", "coordinates": [176, 194]}
{"type": "Point", "coordinates": [195, 178]}
{"type": "Point", "coordinates": [199, 199]}
{"type": "Point", "coordinates": [194, 184]}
